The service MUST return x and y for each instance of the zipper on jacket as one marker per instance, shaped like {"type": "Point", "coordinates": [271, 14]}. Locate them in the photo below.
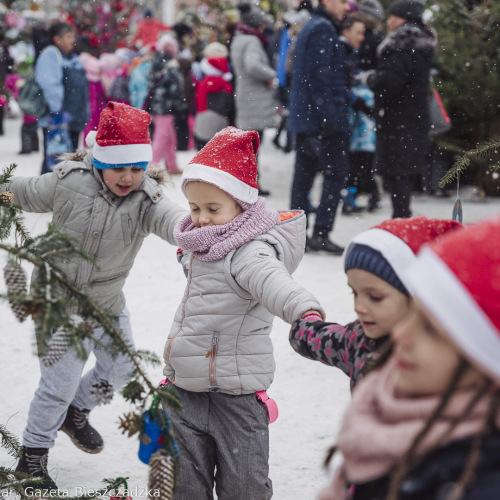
{"type": "Point", "coordinates": [212, 352]}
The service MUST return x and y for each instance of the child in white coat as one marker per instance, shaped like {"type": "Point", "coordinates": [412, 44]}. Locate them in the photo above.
{"type": "Point", "coordinates": [427, 424]}
{"type": "Point", "coordinates": [107, 201]}
{"type": "Point", "coordinates": [219, 354]}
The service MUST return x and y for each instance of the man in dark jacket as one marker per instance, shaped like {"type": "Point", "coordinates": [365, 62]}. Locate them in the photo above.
{"type": "Point", "coordinates": [318, 116]}
{"type": "Point", "coordinates": [400, 83]}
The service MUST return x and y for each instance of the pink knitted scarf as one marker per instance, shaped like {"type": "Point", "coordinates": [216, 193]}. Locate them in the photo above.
{"type": "Point", "coordinates": [214, 242]}
{"type": "Point", "coordinates": [378, 428]}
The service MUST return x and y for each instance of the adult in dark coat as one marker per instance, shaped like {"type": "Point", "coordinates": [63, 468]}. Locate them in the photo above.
{"type": "Point", "coordinates": [318, 116]}
{"type": "Point", "coordinates": [400, 83]}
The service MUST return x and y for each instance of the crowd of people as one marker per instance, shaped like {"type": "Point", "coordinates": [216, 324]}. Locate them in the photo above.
{"type": "Point", "coordinates": [351, 102]}
{"type": "Point", "coordinates": [424, 417]}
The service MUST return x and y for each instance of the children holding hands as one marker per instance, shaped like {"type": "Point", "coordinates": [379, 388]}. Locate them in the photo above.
{"type": "Point", "coordinates": [109, 203]}
{"type": "Point", "coordinates": [219, 355]}
{"type": "Point", "coordinates": [426, 424]}
{"type": "Point", "coordinates": [375, 261]}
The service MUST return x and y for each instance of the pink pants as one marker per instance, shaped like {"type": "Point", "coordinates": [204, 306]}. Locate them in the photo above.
{"type": "Point", "coordinates": [165, 141]}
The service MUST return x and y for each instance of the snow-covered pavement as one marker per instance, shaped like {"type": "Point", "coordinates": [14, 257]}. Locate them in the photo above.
{"type": "Point", "coordinates": [311, 397]}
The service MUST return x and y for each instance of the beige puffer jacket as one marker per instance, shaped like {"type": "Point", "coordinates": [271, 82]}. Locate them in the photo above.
{"type": "Point", "coordinates": [108, 227]}
{"type": "Point", "coordinates": [220, 336]}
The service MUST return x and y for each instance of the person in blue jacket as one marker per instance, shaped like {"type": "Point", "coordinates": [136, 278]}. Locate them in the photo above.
{"type": "Point", "coordinates": [61, 75]}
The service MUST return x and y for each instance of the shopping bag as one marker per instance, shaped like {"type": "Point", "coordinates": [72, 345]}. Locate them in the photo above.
{"type": "Point", "coordinates": [439, 121]}
{"type": "Point", "coordinates": [58, 140]}
{"type": "Point", "coordinates": [31, 99]}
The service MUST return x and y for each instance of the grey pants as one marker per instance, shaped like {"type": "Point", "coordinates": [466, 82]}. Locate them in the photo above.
{"type": "Point", "coordinates": [222, 439]}
{"type": "Point", "coordinates": [62, 384]}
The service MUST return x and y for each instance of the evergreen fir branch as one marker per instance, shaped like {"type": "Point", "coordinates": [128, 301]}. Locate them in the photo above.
{"type": "Point", "coordinates": [10, 442]}
{"type": "Point", "coordinates": [133, 391]}
{"type": "Point", "coordinates": [149, 357]}
{"type": "Point", "coordinates": [482, 151]}
{"type": "Point", "coordinates": [7, 174]}
{"type": "Point", "coordinates": [170, 397]}
{"type": "Point", "coordinates": [13, 481]}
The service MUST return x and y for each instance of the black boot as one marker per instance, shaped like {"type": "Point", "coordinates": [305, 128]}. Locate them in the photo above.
{"type": "Point", "coordinates": [321, 243]}
{"type": "Point", "coordinates": [34, 463]}
{"type": "Point", "coordinates": [84, 436]}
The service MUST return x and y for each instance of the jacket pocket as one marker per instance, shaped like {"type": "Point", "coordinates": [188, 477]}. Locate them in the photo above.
{"type": "Point", "coordinates": [169, 346]}
{"type": "Point", "coordinates": [212, 354]}
{"type": "Point", "coordinates": [127, 229]}
{"type": "Point", "coordinates": [63, 214]}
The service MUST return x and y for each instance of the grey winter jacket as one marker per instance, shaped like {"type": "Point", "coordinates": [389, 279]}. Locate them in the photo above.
{"type": "Point", "coordinates": [108, 227]}
{"type": "Point", "coordinates": [219, 340]}
{"type": "Point", "coordinates": [254, 100]}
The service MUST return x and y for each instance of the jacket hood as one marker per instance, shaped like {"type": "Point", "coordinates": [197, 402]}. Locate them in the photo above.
{"type": "Point", "coordinates": [288, 237]}
{"type": "Point", "coordinates": [409, 36]}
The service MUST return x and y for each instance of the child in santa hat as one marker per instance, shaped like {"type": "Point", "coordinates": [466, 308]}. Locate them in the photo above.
{"type": "Point", "coordinates": [219, 354]}
{"type": "Point", "coordinates": [374, 261]}
{"type": "Point", "coordinates": [214, 99]}
{"type": "Point", "coordinates": [426, 425]}
{"type": "Point", "coordinates": [109, 203]}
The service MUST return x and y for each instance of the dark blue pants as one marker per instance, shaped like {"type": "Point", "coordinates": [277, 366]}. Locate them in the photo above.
{"type": "Point", "coordinates": [325, 155]}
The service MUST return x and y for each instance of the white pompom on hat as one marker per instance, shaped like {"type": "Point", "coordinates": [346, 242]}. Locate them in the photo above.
{"type": "Point", "coordinates": [457, 279]}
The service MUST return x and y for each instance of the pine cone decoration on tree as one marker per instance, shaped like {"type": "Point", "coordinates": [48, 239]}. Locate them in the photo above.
{"type": "Point", "coordinates": [15, 279]}
{"type": "Point", "coordinates": [59, 345]}
{"type": "Point", "coordinates": [102, 392]}
{"type": "Point", "coordinates": [7, 198]}
{"type": "Point", "coordinates": [130, 423]}
{"type": "Point", "coordinates": [161, 481]}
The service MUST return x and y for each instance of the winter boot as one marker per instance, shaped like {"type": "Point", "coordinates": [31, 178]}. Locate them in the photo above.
{"type": "Point", "coordinates": [34, 463]}
{"type": "Point", "coordinates": [84, 436]}
{"type": "Point", "coordinates": [29, 138]}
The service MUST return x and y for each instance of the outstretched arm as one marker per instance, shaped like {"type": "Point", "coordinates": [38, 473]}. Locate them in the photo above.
{"type": "Point", "coordinates": [328, 343]}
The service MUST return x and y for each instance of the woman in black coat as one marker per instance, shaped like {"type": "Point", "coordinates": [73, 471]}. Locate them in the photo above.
{"type": "Point", "coordinates": [400, 83]}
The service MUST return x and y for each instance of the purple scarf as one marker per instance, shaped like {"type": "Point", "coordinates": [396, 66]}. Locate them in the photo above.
{"type": "Point", "coordinates": [215, 242]}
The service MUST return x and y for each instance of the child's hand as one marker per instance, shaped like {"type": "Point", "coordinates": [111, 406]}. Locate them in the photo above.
{"type": "Point", "coordinates": [312, 316]}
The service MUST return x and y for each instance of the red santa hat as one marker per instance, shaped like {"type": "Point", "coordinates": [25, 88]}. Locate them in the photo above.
{"type": "Point", "coordinates": [228, 161]}
{"type": "Point", "coordinates": [457, 279]}
{"type": "Point", "coordinates": [387, 249]}
{"type": "Point", "coordinates": [221, 64]}
{"type": "Point", "coordinates": [122, 138]}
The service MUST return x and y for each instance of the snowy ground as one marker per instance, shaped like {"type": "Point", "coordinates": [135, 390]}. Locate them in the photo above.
{"type": "Point", "coordinates": [311, 397]}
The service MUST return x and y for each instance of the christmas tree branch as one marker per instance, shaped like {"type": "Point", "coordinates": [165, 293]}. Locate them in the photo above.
{"type": "Point", "coordinates": [482, 151]}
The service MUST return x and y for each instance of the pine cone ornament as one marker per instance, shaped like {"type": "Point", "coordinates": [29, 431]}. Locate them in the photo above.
{"type": "Point", "coordinates": [59, 345]}
{"type": "Point", "coordinates": [6, 198]}
{"type": "Point", "coordinates": [15, 279]}
{"type": "Point", "coordinates": [130, 423]}
{"type": "Point", "coordinates": [161, 481]}
{"type": "Point", "coordinates": [102, 392]}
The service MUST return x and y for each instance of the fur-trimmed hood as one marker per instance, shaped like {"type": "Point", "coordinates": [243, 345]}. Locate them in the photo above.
{"type": "Point", "coordinates": [409, 36]}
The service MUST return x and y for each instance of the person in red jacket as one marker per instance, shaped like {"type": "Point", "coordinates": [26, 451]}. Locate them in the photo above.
{"type": "Point", "coordinates": [149, 30]}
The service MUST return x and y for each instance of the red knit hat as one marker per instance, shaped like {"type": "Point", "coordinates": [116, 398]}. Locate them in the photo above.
{"type": "Point", "coordinates": [122, 137]}
{"type": "Point", "coordinates": [398, 241]}
{"type": "Point", "coordinates": [458, 281]}
{"type": "Point", "coordinates": [228, 161]}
